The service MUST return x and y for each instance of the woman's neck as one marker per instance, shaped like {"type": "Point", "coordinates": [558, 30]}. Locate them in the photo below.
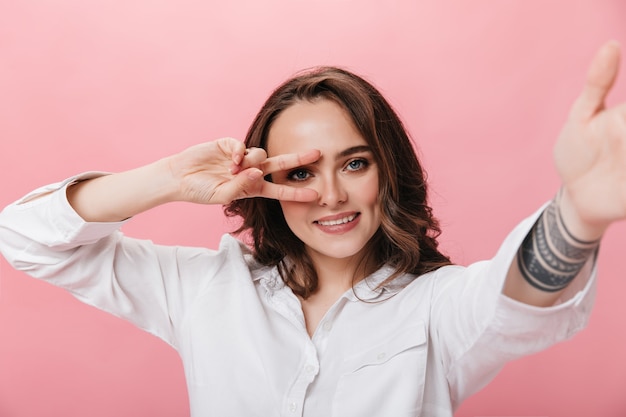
{"type": "Point", "coordinates": [335, 277]}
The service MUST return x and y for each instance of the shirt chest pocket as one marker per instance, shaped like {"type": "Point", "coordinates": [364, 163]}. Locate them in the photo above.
{"type": "Point", "coordinates": [386, 379]}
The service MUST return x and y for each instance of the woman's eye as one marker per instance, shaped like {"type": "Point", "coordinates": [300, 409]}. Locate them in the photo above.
{"type": "Point", "coordinates": [298, 175]}
{"type": "Point", "coordinates": [356, 164]}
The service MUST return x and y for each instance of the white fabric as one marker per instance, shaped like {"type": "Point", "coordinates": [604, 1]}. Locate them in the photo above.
{"type": "Point", "coordinates": [418, 347]}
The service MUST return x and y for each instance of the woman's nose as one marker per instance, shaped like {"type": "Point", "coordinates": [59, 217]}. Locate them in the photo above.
{"type": "Point", "coordinates": [332, 193]}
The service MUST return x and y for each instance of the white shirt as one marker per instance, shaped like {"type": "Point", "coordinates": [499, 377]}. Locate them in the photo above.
{"type": "Point", "coordinates": [416, 347]}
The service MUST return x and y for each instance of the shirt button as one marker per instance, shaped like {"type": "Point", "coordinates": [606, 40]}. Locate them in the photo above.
{"type": "Point", "coordinates": [327, 326]}
{"type": "Point", "coordinates": [381, 356]}
{"type": "Point", "coordinates": [293, 407]}
{"type": "Point", "coordinates": [309, 369]}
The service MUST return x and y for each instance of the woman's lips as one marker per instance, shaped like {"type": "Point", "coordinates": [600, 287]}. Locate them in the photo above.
{"type": "Point", "coordinates": [338, 224]}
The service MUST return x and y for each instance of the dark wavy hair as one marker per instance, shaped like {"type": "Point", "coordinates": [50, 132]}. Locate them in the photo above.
{"type": "Point", "coordinates": [407, 236]}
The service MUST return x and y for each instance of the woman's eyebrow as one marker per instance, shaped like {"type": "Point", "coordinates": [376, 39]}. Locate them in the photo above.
{"type": "Point", "coordinates": [353, 150]}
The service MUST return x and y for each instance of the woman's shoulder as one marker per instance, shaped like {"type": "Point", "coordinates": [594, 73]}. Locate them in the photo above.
{"type": "Point", "coordinates": [235, 251]}
{"type": "Point", "coordinates": [442, 276]}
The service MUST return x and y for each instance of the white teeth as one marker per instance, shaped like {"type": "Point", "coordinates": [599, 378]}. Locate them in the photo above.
{"type": "Point", "coordinates": [346, 219]}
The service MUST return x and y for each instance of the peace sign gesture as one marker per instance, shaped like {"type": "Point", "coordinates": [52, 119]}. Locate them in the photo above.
{"type": "Point", "coordinates": [224, 170]}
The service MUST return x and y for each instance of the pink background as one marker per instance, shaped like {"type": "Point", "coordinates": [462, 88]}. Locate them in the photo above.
{"type": "Point", "coordinates": [484, 87]}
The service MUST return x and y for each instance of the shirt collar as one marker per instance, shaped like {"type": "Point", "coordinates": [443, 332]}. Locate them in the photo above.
{"type": "Point", "coordinates": [370, 288]}
{"type": "Point", "coordinates": [367, 289]}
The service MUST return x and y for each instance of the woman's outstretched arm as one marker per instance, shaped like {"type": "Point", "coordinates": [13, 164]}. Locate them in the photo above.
{"type": "Point", "coordinates": [590, 157]}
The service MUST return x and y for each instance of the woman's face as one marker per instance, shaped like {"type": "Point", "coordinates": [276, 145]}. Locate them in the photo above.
{"type": "Point", "coordinates": [346, 215]}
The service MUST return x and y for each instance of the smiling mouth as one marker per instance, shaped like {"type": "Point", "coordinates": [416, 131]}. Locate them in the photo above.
{"type": "Point", "coordinates": [336, 222]}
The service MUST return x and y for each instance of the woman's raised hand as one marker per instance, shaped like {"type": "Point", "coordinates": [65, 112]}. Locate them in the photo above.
{"type": "Point", "coordinates": [590, 153]}
{"type": "Point", "coordinates": [223, 170]}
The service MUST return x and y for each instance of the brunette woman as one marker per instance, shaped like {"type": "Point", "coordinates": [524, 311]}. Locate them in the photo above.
{"type": "Point", "coordinates": [342, 303]}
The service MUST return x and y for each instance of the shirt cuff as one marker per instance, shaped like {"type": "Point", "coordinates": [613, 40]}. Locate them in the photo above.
{"type": "Point", "coordinates": [53, 206]}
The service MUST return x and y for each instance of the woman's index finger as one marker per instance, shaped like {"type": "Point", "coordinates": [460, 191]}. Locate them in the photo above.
{"type": "Point", "coordinates": [285, 162]}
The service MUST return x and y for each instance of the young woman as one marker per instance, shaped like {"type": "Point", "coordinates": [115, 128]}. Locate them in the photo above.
{"type": "Point", "coordinates": [342, 303]}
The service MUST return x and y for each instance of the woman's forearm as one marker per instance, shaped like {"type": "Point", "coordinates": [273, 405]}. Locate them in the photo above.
{"type": "Point", "coordinates": [552, 254]}
{"type": "Point", "coordinates": [119, 196]}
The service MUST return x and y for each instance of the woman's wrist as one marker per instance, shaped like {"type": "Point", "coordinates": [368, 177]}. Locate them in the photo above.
{"type": "Point", "coordinates": [578, 226]}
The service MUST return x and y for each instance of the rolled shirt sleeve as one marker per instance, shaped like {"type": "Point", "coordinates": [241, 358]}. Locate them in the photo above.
{"type": "Point", "coordinates": [479, 329]}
